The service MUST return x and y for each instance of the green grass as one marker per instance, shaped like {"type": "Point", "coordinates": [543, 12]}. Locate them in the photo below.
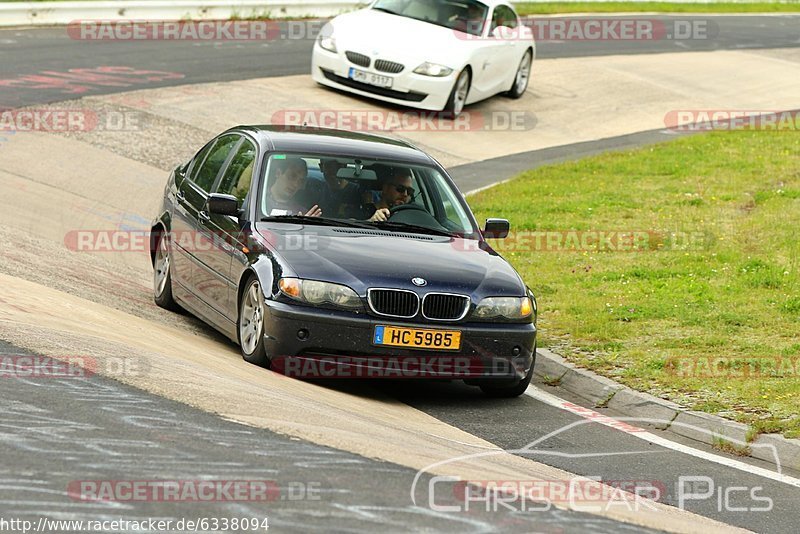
{"type": "Point", "coordinates": [637, 316]}
{"type": "Point", "coordinates": [547, 8]}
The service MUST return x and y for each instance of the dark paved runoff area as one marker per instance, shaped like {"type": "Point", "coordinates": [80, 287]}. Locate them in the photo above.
{"type": "Point", "coordinates": [472, 176]}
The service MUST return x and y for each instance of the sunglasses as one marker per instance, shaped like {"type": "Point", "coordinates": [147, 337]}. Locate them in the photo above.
{"type": "Point", "coordinates": [403, 190]}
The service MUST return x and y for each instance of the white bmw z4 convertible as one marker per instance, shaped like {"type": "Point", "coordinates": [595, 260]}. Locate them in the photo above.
{"type": "Point", "coordinates": [437, 55]}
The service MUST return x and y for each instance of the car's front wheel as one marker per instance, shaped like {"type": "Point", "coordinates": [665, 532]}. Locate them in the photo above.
{"type": "Point", "coordinates": [251, 324]}
{"type": "Point", "coordinates": [458, 96]}
{"type": "Point", "coordinates": [523, 76]}
{"type": "Point", "coordinates": [162, 276]}
{"type": "Point", "coordinates": [502, 391]}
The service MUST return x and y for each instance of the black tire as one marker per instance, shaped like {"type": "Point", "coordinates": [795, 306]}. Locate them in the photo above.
{"type": "Point", "coordinates": [507, 392]}
{"type": "Point", "coordinates": [456, 102]}
{"type": "Point", "coordinates": [254, 353]}
{"type": "Point", "coordinates": [518, 88]}
{"type": "Point", "coordinates": [162, 287]}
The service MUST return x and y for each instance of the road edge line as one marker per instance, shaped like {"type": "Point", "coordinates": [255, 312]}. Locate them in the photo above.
{"type": "Point", "coordinates": [603, 392]}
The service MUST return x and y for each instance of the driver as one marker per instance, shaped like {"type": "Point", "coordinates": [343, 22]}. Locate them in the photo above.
{"type": "Point", "coordinates": [396, 190]}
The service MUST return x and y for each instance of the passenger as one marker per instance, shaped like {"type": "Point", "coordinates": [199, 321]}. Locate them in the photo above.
{"type": "Point", "coordinates": [284, 196]}
{"type": "Point", "coordinates": [341, 198]}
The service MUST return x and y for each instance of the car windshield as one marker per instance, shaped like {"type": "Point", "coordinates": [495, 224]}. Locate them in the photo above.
{"type": "Point", "coordinates": [466, 16]}
{"type": "Point", "coordinates": [345, 191]}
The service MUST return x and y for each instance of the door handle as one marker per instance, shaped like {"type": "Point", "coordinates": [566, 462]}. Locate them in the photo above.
{"type": "Point", "coordinates": [180, 196]}
{"type": "Point", "coordinates": [204, 216]}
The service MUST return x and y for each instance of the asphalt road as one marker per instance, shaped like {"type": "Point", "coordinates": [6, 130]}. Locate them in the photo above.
{"type": "Point", "coordinates": [48, 54]}
{"type": "Point", "coordinates": [59, 431]}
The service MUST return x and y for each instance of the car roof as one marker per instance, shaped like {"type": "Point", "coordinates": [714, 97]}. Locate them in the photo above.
{"type": "Point", "coordinates": [332, 142]}
{"type": "Point", "coordinates": [492, 3]}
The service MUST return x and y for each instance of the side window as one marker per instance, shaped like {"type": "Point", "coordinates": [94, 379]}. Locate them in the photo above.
{"type": "Point", "coordinates": [206, 173]}
{"type": "Point", "coordinates": [239, 174]}
{"type": "Point", "coordinates": [504, 16]}
{"type": "Point", "coordinates": [194, 165]}
{"type": "Point", "coordinates": [453, 216]}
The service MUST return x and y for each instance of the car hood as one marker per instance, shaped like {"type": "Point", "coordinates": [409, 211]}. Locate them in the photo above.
{"type": "Point", "coordinates": [362, 259]}
{"type": "Point", "coordinates": [392, 37]}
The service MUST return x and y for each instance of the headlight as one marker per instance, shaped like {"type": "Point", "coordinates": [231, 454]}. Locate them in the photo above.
{"type": "Point", "coordinates": [327, 42]}
{"type": "Point", "coordinates": [320, 293]}
{"type": "Point", "coordinates": [433, 69]}
{"type": "Point", "coordinates": [504, 307]}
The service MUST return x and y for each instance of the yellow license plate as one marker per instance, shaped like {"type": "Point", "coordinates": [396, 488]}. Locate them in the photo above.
{"type": "Point", "coordinates": [417, 338]}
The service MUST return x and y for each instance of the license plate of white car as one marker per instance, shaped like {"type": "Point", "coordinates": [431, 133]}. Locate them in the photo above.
{"type": "Point", "coordinates": [368, 77]}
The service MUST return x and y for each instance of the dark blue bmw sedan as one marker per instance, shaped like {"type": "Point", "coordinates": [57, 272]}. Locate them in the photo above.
{"type": "Point", "coordinates": [327, 253]}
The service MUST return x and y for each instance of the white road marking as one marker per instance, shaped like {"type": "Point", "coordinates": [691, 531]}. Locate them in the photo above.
{"type": "Point", "coordinates": [641, 433]}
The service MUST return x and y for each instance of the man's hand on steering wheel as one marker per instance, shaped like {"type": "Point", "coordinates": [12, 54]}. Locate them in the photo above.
{"type": "Point", "coordinates": [380, 215]}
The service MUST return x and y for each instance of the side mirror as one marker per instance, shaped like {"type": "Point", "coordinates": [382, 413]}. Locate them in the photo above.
{"type": "Point", "coordinates": [496, 228]}
{"type": "Point", "coordinates": [223, 204]}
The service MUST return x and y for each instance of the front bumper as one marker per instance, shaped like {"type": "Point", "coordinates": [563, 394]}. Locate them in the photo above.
{"type": "Point", "coordinates": [308, 342]}
{"type": "Point", "coordinates": [408, 89]}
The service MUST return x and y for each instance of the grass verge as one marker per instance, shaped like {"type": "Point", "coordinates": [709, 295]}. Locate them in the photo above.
{"type": "Point", "coordinates": [550, 8]}
{"type": "Point", "coordinates": [696, 294]}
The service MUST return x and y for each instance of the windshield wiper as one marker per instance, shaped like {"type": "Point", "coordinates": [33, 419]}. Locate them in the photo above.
{"type": "Point", "coordinates": [321, 221]}
{"type": "Point", "coordinates": [389, 225]}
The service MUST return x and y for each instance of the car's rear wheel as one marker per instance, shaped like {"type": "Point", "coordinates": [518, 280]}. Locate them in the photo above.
{"type": "Point", "coordinates": [162, 276]}
{"type": "Point", "coordinates": [523, 76]}
{"type": "Point", "coordinates": [251, 324]}
{"type": "Point", "coordinates": [458, 96]}
{"type": "Point", "coordinates": [502, 391]}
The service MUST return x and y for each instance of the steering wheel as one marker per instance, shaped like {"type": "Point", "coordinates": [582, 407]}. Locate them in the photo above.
{"type": "Point", "coordinates": [406, 207]}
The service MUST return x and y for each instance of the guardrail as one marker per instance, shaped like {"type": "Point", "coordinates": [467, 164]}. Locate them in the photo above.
{"type": "Point", "coordinates": [53, 13]}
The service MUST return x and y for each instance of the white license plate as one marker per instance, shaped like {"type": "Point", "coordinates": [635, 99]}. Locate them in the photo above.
{"type": "Point", "coordinates": [368, 77]}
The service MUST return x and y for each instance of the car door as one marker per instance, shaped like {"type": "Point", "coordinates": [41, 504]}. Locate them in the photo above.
{"type": "Point", "coordinates": [188, 234]}
{"type": "Point", "coordinates": [225, 259]}
{"type": "Point", "coordinates": [205, 279]}
{"type": "Point", "coordinates": [183, 223]}
{"type": "Point", "coordinates": [504, 55]}
{"type": "Point", "coordinates": [482, 52]}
